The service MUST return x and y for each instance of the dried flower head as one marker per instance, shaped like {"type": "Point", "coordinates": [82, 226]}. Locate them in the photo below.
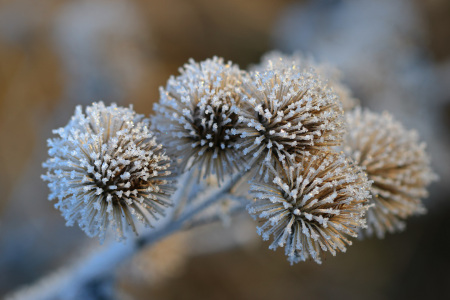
{"type": "Point", "coordinates": [396, 162]}
{"type": "Point", "coordinates": [298, 63]}
{"type": "Point", "coordinates": [106, 167]}
{"type": "Point", "coordinates": [283, 115]}
{"type": "Point", "coordinates": [312, 206]}
{"type": "Point", "coordinates": [195, 116]}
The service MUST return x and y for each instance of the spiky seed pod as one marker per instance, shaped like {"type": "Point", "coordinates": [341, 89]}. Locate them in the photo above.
{"type": "Point", "coordinates": [298, 62]}
{"type": "Point", "coordinates": [283, 115]}
{"type": "Point", "coordinates": [106, 167]}
{"type": "Point", "coordinates": [195, 116]}
{"type": "Point", "coordinates": [396, 162]}
{"type": "Point", "coordinates": [312, 206]}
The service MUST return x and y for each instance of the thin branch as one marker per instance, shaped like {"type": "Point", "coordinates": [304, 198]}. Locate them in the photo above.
{"type": "Point", "coordinates": [69, 281]}
{"type": "Point", "coordinates": [214, 218]}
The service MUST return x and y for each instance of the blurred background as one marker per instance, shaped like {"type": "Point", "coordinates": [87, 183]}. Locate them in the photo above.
{"type": "Point", "coordinates": [54, 55]}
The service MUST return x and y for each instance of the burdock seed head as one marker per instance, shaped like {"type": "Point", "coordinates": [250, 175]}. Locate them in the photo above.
{"type": "Point", "coordinates": [312, 206]}
{"type": "Point", "coordinates": [105, 169]}
{"type": "Point", "coordinates": [298, 62]}
{"type": "Point", "coordinates": [284, 115]}
{"type": "Point", "coordinates": [395, 161]}
{"type": "Point", "coordinates": [196, 115]}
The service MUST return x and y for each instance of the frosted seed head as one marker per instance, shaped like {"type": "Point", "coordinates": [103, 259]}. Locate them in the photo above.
{"type": "Point", "coordinates": [298, 63]}
{"type": "Point", "coordinates": [207, 93]}
{"type": "Point", "coordinates": [397, 164]}
{"type": "Point", "coordinates": [309, 118]}
{"type": "Point", "coordinates": [88, 166]}
{"type": "Point", "coordinates": [311, 216]}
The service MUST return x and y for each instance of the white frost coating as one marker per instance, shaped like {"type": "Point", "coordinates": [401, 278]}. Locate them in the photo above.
{"type": "Point", "coordinates": [105, 168]}
{"type": "Point", "coordinates": [196, 116]}
{"type": "Point", "coordinates": [286, 114]}
{"type": "Point", "coordinates": [396, 162]}
{"type": "Point", "coordinates": [297, 62]}
{"type": "Point", "coordinates": [313, 207]}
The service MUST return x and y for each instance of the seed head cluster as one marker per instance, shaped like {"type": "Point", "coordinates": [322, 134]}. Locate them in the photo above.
{"type": "Point", "coordinates": [279, 125]}
{"type": "Point", "coordinates": [395, 161]}
{"type": "Point", "coordinates": [195, 117]}
{"type": "Point", "coordinates": [105, 169]}
{"type": "Point", "coordinates": [312, 207]}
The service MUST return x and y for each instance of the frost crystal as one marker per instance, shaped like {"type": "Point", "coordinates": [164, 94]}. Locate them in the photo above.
{"type": "Point", "coordinates": [297, 63]}
{"type": "Point", "coordinates": [283, 115]}
{"type": "Point", "coordinates": [396, 162]}
{"type": "Point", "coordinates": [106, 167]}
{"type": "Point", "coordinates": [196, 116]}
{"type": "Point", "coordinates": [312, 206]}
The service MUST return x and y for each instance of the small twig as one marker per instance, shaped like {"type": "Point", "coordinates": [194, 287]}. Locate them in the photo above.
{"type": "Point", "coordinates": [214, 218]}
{"type": "Point", "coordinates": [179, 194]}
{"type": "Point", "coordinates": [212, 196]}
{"type": "Point", "coordinates": [207, 200]}
{"type": "Point", "coordinates": [241, 199]}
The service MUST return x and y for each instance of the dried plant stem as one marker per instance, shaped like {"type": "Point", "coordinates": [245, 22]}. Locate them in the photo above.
{"type": "Point", "coordinates": [97, 266]}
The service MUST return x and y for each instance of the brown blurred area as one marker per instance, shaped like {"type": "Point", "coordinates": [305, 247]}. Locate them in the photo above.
{"type": "Point", "coordinates": [30, 84]}
{"type": "Point", "coordinates": [32, 79]}
{"type": "Point", "coordinates": [436, 14]}
{"type": "Point", "coordinates": [36, 88]}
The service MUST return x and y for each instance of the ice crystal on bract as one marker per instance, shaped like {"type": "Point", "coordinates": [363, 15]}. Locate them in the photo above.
{"type": "Point", "coordinates": [283, 115]}
{"type": "Point", "coordinates": [297, 63]}
{"type": "Point", "coordinates": [195, 116]}
{"type": "Point", "coordinates": [106, 167]}
{"type": "Point", "coordinates": [396, 162]}
{"type": "Point", "coordinates": [312, 206]}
